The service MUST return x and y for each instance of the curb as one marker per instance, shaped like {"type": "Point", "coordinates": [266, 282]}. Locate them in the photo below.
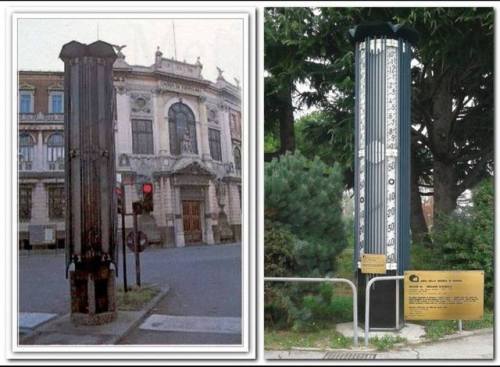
{"type": "Point", "coordinates": [142, 313]}
{"type": "Point", "coordinates": [458, 335]}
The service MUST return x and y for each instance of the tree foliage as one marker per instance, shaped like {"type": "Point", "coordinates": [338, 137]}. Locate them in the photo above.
{"type": "Point", "coordinates": [306, 197]}
{"type": "Point", "coordinates": [466, 241]}
{"type": "Point", "coordinates": [452, 90]}
{"type": "Point", "coordinates": [304, 235]}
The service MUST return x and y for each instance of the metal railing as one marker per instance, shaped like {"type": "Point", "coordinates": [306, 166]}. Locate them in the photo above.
{"type": "Point", "coordinates": [329, 280]}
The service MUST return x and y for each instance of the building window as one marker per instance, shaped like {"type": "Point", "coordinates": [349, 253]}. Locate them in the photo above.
{"type": "Point", "coordinates": [55, 151]}
{"type": "Point", "coordinates": [212, 116]}
{"type": "Point", "coordinates": [56, 102]}
{"type": "Point", "coordinates": [182, 129]}
{"type": "Point", "coordinates": [26, 149]}
{"type": "Point", "coordinates": [56, 202]}
{"type": "Point", "coordinates": [24, 203]}
{"type": "Point", "coordinates": [214, 142]}
{"type": "Point", "coordinates": [26, 102]}
{"type": "Point", "coordinates": [237, 159]}
{"type": "Point", "coordinates": [142, 137]}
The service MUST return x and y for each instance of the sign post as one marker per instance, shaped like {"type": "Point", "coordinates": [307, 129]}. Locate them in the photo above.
{"type": "Point", "coordinates": [124, 251]}
{"type": "Point", "coordinates": [137, 209]}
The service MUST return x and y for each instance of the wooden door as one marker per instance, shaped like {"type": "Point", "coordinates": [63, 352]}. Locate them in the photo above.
{"type": "Point", "coordinates": [192, 221]}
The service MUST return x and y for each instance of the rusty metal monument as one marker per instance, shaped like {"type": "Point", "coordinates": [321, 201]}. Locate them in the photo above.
{"type": "Point", "coordinates": [90, 178]}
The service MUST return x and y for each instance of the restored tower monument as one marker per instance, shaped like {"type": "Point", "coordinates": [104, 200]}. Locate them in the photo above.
{"type": "Point", "coordinates": [90, 180]}
{"type": "Point", "coordinates": [382, 160]}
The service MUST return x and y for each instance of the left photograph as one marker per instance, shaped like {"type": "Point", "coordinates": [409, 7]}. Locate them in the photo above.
{"type": "Point", "coordinates": [131, 180]}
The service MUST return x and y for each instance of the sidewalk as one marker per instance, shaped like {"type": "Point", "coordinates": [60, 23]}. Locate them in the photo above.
{"type": "Point", "coordinates": [61, 331]}
{"type": "Point", "coordinates": [471, 345]}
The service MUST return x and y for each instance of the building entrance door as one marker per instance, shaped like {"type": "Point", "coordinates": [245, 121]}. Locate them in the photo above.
{"type": "Point", "coordinates": [192, 222]}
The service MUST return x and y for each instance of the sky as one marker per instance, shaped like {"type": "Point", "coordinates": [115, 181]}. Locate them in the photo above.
{"type": "Point", "coordinates": [218, 42]}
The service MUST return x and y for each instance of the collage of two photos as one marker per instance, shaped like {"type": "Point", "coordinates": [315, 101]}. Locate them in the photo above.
{"type": "Point", "coordinates": [132, 181]}
{"type": "Point", "coordinates": [138, 179]}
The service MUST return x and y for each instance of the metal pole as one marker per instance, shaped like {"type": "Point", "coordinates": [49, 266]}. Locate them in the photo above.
{"type": "Point", "coordinates": [331, 280]}
{"type": "Point", "coordinates": [124, 249]}
{"type": "Point", "coordinates": [397, 304]}
{"type": "Point", "coordinates": [367, 310]}
{"type": "Point", "coordinates": [136, 250]}
{"type": "Point", "coordinates": [460, 326]}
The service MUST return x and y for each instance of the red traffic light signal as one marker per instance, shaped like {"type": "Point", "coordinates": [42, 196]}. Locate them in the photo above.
{"type": "Point", "coordinates": [147, 188]}
{"type": "Point", "coordinates": [147, 197]}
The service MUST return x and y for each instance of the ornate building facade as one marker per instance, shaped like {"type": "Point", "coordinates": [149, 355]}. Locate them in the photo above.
{"type": "Point", "coordinates": [173, 128]}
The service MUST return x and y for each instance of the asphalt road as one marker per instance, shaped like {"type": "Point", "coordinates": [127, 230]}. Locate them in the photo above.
{"type": "Point", "coordinates": [203, 281]}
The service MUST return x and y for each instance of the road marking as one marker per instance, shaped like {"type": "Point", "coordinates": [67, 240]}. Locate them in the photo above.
{"type": "Point", "coordinates": [30, 320]}
{"type": "Point", "coordinates": [193, 324]}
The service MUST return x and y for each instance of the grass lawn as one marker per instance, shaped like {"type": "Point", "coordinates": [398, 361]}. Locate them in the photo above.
{"type": "Point", "coordinates": [288, 339]}
{"type": "Point", "coordinates": [136, 298]}
{"type": "Point", "coordinates": [437, 329]}
{"type": "Point", "coordinates": [321, 339]}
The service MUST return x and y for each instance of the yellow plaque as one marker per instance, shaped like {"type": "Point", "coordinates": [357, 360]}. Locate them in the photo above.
{"type": "Point", "coordinates": [373, 264]}
{"type": "Point", "coordinates": [444, 295]}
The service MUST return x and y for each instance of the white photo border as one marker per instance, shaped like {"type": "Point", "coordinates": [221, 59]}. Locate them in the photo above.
{"type": "Point", "coordinates": [247, 349]}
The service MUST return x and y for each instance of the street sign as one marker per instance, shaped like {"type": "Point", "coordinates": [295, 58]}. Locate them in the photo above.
{"type": "Point", "coordinates": [143, 241]}
{"type": "Point", "coordinates": [443, 295]}
{"type": "Point", "coordinates": [373, 264]}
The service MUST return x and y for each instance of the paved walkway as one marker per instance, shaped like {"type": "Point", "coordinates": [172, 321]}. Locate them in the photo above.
{"type": "Point", "coordinates": [479, 346]}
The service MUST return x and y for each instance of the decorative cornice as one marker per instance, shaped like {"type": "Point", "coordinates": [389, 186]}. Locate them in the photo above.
{"type": "Point", "coordinates": [383, 29]}
{"type": "Point", "coordinates": [41, 174]}
{"type": "Point", "coordinates": [26, 86]}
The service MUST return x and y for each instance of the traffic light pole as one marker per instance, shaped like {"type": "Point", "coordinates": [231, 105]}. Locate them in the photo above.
{"type": "Point", "coordinates": [123, 209]}
{"type": "Point", "coordinates": [136, 250]}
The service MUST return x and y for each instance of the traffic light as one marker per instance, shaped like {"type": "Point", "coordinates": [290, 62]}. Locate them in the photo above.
{"type": "Point", "coordinates": [137, 207]}
{"type": "Point", "coordinates": [119, 199]}
{"type": "Point", "coordinates": [147, 197]}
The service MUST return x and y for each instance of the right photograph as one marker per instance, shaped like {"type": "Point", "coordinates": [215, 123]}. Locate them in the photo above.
{"type": "Point", "coordinates": [379, 183]}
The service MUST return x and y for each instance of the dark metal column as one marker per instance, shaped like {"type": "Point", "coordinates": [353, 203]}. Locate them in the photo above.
{"type": "Point", "coordinates": [90, 178]}
{"type": "Point", "coordinates": [382, 159]}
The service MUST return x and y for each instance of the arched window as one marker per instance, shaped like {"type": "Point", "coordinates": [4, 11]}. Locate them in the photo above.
{"type": "Point", "coordinates": [237, 159]}
{"type": "Point", "coordinates": [55, 151]}
{"type": "Point", "coordinates": [182, 129]}
{"type": "Point", "coordinates": [26, 151]}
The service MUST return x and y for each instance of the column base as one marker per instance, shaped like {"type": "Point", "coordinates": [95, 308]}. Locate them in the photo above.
{"type": "Point", "coordinates": [93, 296]}
{"type": "Point", "coordinates": [382, 303]}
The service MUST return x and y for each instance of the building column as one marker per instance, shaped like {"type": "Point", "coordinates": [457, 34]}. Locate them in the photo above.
{"type": "Point", "coordinates": [39, 204]}
{"type": "Point", "coordinates": [178, 224]}
{"type": "Point", "coordinates": [158, 207]}
{"type": "Point", "coordinates": [39, 158]}
{"type": "Point", "coordinates": [226, 140]}
{"type": "Point", "coordinates": [168, 202]}
{"type": "Point", "coordinates": [209, 234]}
{"type": "Point", "coordinates": [205, 148]}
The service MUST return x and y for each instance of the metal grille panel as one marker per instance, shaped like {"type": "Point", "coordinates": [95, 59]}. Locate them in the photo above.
{"type": "Point", "coordinates": [349, 355]}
